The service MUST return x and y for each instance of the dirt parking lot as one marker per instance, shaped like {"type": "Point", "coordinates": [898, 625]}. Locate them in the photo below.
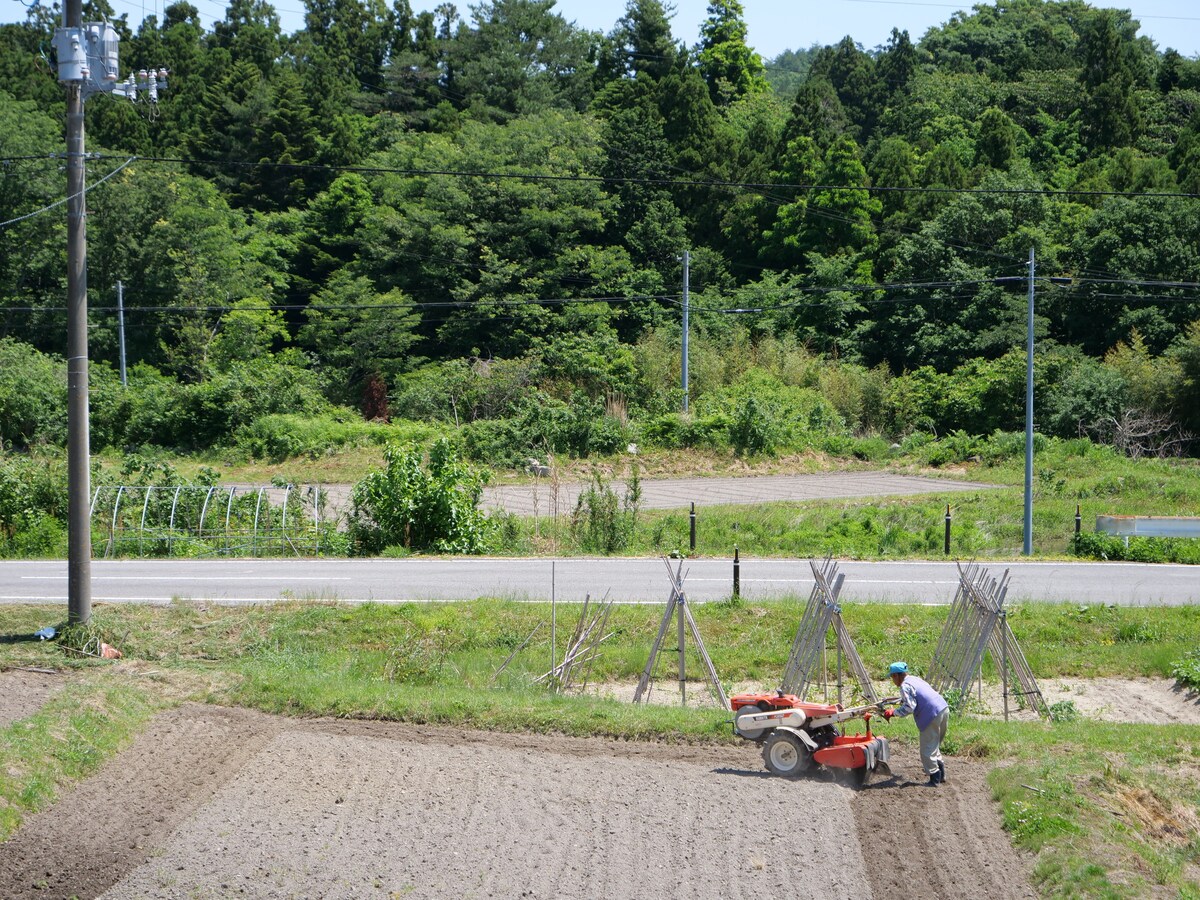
{"type": "Point", "coordinates": [216, 802]}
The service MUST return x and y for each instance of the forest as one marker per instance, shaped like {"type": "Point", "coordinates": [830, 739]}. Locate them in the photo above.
{"type": "Point", "coordinates": [474, 224]}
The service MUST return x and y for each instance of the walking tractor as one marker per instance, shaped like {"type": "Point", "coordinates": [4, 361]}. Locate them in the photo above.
{"type": "Point", "coordinates": [800, 738]}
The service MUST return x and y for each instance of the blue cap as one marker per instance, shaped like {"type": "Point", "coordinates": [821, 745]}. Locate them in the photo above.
{"type": "Point", "coordinates": [898, 668]}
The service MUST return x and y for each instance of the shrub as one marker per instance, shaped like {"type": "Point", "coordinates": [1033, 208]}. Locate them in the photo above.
{"type": "Point", "coordinates": [753, 429]}
{"type": "Point", "coordinates": [462, 391]}
{"type": "Point", "coordinates": [543, 424]}
{"type": "Point", "coordinates": [1088, 393]}
{"type": "Point", "coordinates": [156, 410]}
{"type": "Point", "coordinates": [281, 436]}
{"type": "Point", "coordinates": [1093, 545]}
{"type": "Point", "coordinates": [499, 442]}
{"type": "Point", "coordinates": [33, 507]}
{"type": "Point", "coordinates": [33, 396]}
{"type": "Point", "coordinates": [423, 508]}
{"type": "Point", "coordinates": [1186, 670]}
{"type": "Point", "coordinates": [871, 449]}
{"type": "Point", "coordinates": [765, 415]}
{"type": "Point", "coordinates": [601, 523]}
{"type": "Point", "coordinates": [1064, 711]}
{"type": "Point", "coordinates": [675, 431]}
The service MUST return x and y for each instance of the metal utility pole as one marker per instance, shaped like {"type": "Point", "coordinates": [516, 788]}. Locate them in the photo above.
{"type": "Point", "coordinates": [684, 361]}
{"type": "Point", "coordinates": [121, 327]}
{"type": "Point", "coordinates": [87, 64]}
{"type": "Point", "coordinates": [79, 519]}
{"type": "Point", "coordinates": [1028, 546]}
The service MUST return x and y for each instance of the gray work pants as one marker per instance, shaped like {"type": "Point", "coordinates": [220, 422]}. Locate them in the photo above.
{"type": "Point", "coordinates": [932, 736]}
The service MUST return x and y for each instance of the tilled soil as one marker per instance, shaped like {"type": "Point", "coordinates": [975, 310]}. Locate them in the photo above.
{"type": "Point", "coordinates": [938, 842]}
{"type": "Point", "coordinates": [213, 802]}
{"type": "Point", "coordinates": [22, 692]}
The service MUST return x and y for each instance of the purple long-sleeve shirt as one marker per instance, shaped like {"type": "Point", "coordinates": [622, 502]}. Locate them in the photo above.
{"type": "Point", "coordinates": [918, 697]}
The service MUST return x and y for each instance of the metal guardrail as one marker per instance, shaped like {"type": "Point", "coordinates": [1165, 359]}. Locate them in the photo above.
{"type": "Point", "coordinates": [1149, 526]}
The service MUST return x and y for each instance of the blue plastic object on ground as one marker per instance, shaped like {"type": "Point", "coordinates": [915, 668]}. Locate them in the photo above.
{"type": "Point", "coordinates": [45, 634]}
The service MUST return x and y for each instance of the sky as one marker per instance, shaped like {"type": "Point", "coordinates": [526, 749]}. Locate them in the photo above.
{"type": "Point", "coordinates": [774, 25]}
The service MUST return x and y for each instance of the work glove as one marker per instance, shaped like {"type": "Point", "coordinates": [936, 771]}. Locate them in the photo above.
{"type": "Point", "coordinates": [888, 713]}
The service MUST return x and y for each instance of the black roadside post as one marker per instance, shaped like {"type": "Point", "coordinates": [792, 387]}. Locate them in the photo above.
{"type": "Point", "coordinates": [947, 529]}
{"type": "Point", "coordinates": [737, 574]}
{"type": "Point", "coordinates": [1078, 519]}
{"type": "Point", "coordinates": [692, 528]}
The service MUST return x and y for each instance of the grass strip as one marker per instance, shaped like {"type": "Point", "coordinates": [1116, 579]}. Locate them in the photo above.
{"type": "Point", "coordinates": [67, 739]}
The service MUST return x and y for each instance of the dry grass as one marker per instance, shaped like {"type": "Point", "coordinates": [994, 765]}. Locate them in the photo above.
{"type": "Point", "coordinates": [350, 465]}
{"type": "Point", "coordinates": [1161, 818]}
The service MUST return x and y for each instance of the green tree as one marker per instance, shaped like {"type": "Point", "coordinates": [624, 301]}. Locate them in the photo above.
{"type": "Point", "coordinates": [894, 165]}
{"type": "Point", "coordinates": [432, 507]}
{"type": "Point", "coordinates": [250, 120]}
{"type": "Point", "coordinates": [33, 396]}
{"type": "Point", "coordinates": [1137, 239]}
{"type": "Point", "coordinates": [817, 113]}
{"type": "Point", "coordinates": [731, 68]}
{"type": "Point", "coordinates": [492, 247]}
{"type": "Point", "coordinates": [356, 332]}
{"type": "Point", "coordinates": [1111, 72]}
{"type": "Point", "coordinates": [640, 44]}
{"type": "Point", "coordinates": [841, 214]}
{"type": "Point", "coordinates": [896, 66]}
{"type": "Point", "coordinates": [250, 33]}
{"type": "Point", "coordinates": [785, 240]}
{"type": "Point", "coordinates": [851, 73]}
{"type": "Point", "coordinates": [997, 142]}
{"type": "Point", "coordinates": [32, 249]}
{"type": "Point", "coordinates": [520, 57]}
{"type": "Point", "coordinates": [196, 259]}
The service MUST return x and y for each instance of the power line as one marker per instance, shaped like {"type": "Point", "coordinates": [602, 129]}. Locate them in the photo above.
{"type": "Point", "coordinates": [666, 182]}
{"type": "Point", "coordinates": [68, 198]}
{"type": "Point", "coordinates": [956, 287]}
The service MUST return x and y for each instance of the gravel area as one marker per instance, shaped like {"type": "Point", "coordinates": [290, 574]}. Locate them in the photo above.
{"type": "Point", "coordinates": [213, 802]}
{"type": "Point", "coordinates": [1146, 701]}
{"type": "Point", "coordinates": [545, 498]}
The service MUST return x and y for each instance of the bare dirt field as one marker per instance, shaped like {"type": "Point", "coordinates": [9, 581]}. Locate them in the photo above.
{"type": "Point", "coordinates": [23, 692]}
{"type": "Point", "coordinates": [215, 802]}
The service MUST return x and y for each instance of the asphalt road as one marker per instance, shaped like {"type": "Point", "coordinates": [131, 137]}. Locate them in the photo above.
{"type": "Point", "coordinates": [625, 579]}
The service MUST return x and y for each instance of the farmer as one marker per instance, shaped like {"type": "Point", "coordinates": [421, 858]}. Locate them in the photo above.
{"type": "Point", "coordinates": [929, 710]}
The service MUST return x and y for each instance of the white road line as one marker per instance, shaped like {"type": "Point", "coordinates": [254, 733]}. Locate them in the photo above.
{"type": "Point", "coordinates": [189, 578]}
{"type": "Point", "coordinates": [234, 601]}
{"type": "Point", "coordinates": [810, 581]}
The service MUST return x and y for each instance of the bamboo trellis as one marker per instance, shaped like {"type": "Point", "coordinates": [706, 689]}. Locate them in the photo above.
{"type": "Point", "coordinates": [978, 623]}
{"type": "Point", "coordinates": [822, 611]}
{"type": "Point", "coordinates": [677, 607]}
